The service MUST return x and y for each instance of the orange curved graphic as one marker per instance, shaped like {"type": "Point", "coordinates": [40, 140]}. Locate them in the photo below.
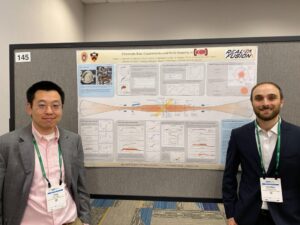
{"type": "Point", "coordinates": [242, 108]}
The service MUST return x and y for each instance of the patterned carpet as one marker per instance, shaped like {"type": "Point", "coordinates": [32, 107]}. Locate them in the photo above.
{"type": "Point", "coordinates": [133, 212]}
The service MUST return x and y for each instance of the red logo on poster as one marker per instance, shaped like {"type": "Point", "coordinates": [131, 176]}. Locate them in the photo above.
{"type": "Point", "coordinates": [84, 56]}
{"type": "Point", "coordinates": [203, 51]}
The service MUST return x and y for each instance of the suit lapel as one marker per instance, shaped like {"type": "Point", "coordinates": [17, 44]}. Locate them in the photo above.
{"type": "Point", "coordinates": [272, 165]}
{"type": "Point", "coordinates": [66, 154]}
{"type": "Point", "coordinates": [27, 157]}
{"type": "Point", "coordinates": [284, 131]}
{"type": "Point", "coordinates": [253, 146]}
{"type": "Point", "coordinates": [27, 149]}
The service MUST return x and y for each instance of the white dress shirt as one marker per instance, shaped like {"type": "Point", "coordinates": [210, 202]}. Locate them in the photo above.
{"type": "Point", "coordinates": [268, 141]}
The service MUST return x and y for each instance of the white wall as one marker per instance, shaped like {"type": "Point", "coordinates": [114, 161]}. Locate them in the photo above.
{"type": "Point", "coordinates": [192, 19]}
{"type": "Point", "coordinates": [34, 21]}
{"type": "Point", "coordinates": [38, 21]}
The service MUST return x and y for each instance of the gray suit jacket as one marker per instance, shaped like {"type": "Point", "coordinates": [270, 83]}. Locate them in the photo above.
{"type": "Point", "coordinates": [17, 169]}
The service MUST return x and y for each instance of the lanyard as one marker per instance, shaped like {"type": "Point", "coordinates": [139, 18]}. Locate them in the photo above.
{"type": "Point", "coordinates": [277, 148]}
{"type": "Point", "coordinates": [36, 147]}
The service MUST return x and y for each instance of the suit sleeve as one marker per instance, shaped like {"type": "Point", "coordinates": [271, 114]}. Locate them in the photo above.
{"type": "Point", "coordinates": [229, 187]}
{"type": "Point", "coordinates": [83, 196]}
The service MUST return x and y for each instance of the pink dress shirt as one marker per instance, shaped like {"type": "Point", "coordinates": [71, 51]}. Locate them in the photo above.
{"type": "Point", "coordinates": [36, 210]}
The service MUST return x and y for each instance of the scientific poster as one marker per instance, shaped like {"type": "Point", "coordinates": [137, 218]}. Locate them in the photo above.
{"type": "Point", "coordinates": [163, 107]}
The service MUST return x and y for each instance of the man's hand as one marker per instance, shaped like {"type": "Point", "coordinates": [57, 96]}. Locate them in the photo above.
{"type": "Point", "coordinates": [231, 221]}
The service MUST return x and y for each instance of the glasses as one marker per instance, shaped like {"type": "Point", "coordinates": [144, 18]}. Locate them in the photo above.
{"type": "Point", "coordinates": [42, 107]}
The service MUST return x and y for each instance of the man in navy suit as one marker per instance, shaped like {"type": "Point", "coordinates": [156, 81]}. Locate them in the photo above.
{"type": "Point", "coordinates": [268, 152]}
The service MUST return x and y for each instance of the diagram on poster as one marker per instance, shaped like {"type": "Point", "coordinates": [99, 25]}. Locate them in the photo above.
{"type": "Point", "coordinates": [163, 107]}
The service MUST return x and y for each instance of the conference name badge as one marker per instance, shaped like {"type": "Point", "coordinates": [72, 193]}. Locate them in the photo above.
{"type": "Point", "coordinates": [56, 198]}
{"type": "Point", "coordinates": [271, 189]}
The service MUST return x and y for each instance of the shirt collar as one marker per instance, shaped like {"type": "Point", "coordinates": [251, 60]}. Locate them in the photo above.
{"type": "Point", "coordinates": [38, 136]}
{"type": "Point", "coordinates": [274, 129]}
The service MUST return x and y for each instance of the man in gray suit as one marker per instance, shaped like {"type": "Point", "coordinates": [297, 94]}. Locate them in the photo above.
{"type": "Point", "coordinates": [42, 179]}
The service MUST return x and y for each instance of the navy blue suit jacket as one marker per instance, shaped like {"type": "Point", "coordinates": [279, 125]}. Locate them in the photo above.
{"type": "Point", "coordinates": [243, 200]}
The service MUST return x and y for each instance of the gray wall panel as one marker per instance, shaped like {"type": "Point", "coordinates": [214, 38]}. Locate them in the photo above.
{"type": "Point", "coordinates": [183, 183]}
{"type": "Point", "coordinates": [58, 65]}
{"type": "Point", "coordinates": [277, 61]}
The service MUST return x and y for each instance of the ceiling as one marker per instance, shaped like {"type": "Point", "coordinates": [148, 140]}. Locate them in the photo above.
{"type": "Point", "coordinates": [118, 1]}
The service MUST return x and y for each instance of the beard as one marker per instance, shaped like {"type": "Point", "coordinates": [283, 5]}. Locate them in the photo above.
{"type": "Point", "coordinates": [267, 117]}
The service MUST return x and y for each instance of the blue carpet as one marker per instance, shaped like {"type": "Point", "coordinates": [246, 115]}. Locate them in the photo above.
{"type": "Point", "coordinates": [133, 212]}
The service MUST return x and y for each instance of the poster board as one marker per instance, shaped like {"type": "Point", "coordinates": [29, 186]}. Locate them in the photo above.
{"type": "Point", "coordinates": [163, 107]}
{"type": "Point", "coordinates": [278, 61]}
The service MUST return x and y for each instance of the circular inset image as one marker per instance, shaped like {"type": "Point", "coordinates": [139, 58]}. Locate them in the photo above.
{"type": "Point", "coordinates": [87, 77]}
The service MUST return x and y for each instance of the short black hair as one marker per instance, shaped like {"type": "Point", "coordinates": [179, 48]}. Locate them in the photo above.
{"type": "Point", "coordinates": [267, 82]}
{"type": "Point", "coordinates": [44, 86]}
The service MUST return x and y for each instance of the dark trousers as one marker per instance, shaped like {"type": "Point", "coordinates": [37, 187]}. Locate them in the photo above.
{"type": "Point", "coordinates": [265, 218]}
